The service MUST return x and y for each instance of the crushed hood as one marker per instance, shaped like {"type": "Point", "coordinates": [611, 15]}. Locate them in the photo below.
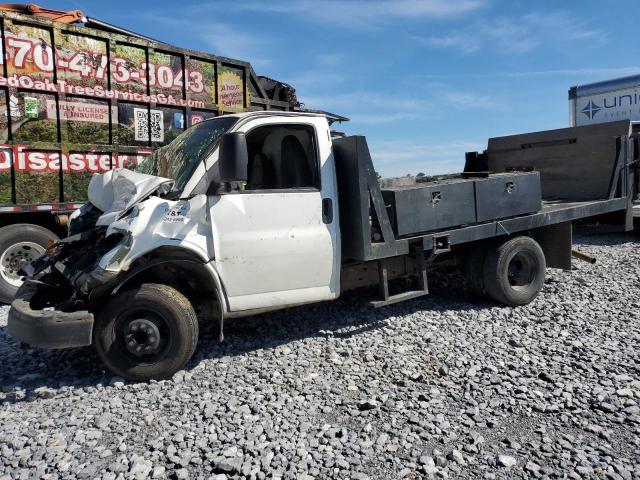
{"type": "Point", "coordinates": [119, 189]}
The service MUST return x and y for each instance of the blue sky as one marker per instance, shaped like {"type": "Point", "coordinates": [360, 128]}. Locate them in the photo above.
{"type": "Point", "coordinates": [424, 80]}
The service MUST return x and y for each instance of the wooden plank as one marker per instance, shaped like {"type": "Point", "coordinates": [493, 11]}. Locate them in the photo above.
{"type": "Point", "coordinates": [574, 163]}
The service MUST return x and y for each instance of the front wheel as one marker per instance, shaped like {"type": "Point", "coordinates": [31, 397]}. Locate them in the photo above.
{"type": "Point", "coordinates": [145, 333]}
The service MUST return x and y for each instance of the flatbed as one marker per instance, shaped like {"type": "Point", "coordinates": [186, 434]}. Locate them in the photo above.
{"type": "Point", "coordinates": [369, 237]}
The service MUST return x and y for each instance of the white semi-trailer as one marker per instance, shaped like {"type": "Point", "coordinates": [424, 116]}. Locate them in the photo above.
{"type": "Point", "coordinates": [605, 101]}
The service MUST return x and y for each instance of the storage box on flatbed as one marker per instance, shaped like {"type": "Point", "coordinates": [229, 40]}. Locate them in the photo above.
{"type": "Point", "coordinates": [507, 195]}
{"type": "Point", "coordinates": [457, 202]}
{"type": "Point", "coordinates": [430, 206]}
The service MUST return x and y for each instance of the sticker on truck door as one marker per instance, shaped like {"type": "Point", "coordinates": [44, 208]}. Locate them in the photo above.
{"type": "Point", "coordinates": [177, 213]}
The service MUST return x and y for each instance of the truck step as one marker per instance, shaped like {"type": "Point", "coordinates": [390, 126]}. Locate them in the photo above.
{"type": "Point", "coordinates": [383, 284]}
{"type": "Point", "coordinates": [400, 297]}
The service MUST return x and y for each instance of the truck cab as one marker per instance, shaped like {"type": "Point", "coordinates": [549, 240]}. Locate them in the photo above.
{"type": "Point", "coordinates": [262, 216]}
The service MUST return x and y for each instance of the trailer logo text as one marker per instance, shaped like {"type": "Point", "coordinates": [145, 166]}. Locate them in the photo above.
{"type": "Point", "coordinates": [62, 86]}
{"type": "Point", "coordinates": [622, 104]}
{"type": "Point", "coordinates": [591, 109]}
{"type": "Point", "coordinates": [24, 160]}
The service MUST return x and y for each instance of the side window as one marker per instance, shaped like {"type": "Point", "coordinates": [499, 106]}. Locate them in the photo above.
{"type": "Point", "coordinates": [282, 156]}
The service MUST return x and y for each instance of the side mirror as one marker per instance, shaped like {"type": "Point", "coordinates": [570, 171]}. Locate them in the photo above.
{"type": "Point", "coordinates": [233, 157]}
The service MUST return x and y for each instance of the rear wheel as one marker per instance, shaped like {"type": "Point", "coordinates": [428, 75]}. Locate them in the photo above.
{"type": "Point", "coordinates": [149, 332]}
{"type": "Point", "coordinates": [513, 271]}
{"type": "Point", "coordinates": [20, 244]}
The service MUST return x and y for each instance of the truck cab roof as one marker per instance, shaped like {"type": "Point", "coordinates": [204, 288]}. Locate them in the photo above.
{"type": "Point", "coordinates": [331, 117]}
{"type": "Point", "coordinates": [274, 113]}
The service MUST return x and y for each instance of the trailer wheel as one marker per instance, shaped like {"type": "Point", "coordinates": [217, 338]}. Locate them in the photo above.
{"type": "Point", "coordinates": [513, 271]}
{"type": "Point", "coordinates": [149, 332]}
{"type": "Point", "coordinates": [473, 266]}
{"type": "Point", "coordinates": [20, 244]}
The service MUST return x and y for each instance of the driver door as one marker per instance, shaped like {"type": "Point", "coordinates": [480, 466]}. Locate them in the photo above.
{"type": "Point", "coordinates": [273, 244]}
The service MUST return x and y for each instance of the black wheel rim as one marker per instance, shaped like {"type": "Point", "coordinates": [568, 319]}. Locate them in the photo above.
{"type": "Point", "coordinates": [521, 271]}
{"type": "Point", "coordinates": [142, 335]}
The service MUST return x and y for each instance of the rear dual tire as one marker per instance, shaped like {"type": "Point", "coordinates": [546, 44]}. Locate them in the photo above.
{"type": "Point", "coordinates": [511, 272]}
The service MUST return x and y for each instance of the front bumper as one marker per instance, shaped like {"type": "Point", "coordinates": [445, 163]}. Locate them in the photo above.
{"type": "Point", "coordinates": [47, 328]}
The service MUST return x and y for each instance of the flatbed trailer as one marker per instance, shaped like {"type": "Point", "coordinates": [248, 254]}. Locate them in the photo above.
{"type": "Point", "coordinates": [276, 213]}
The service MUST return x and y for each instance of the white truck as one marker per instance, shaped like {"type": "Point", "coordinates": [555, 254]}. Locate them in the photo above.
{"type": "Point", "coordinates": [258, 211]}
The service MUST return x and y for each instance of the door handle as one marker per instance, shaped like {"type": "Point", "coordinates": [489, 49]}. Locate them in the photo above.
{"type": "Point", "coordinates": [327, 210]}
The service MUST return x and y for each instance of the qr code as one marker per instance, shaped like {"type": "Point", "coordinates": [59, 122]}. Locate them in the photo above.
{"type": "Point", "coordinates": [157, 126]}
{"type": "Point", "coordinates": [142, 125]}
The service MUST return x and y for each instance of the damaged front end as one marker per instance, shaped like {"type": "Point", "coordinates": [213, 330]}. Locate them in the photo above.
{"type": "Point", "coordinates": [71, 269]}
{"type": "Point", "coordinates": [53, 307]}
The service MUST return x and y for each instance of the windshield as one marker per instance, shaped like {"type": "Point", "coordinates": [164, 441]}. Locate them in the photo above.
{"type": "Point", "coordinates": [179, 159]}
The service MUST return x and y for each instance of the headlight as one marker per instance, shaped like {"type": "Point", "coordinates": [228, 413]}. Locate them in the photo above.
{"type": "Point", "coordinates": [112, 258]}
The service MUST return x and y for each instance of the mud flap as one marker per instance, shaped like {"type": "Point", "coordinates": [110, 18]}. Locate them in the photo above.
{"type": "Point", "coordinates": [555, 241]}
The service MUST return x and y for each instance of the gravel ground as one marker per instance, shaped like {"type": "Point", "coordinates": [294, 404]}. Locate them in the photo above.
{"type": "Point", "coordinates": [432, 387]}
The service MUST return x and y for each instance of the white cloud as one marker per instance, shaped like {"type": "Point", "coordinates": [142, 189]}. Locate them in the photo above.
{"type": "Point", "coordinates": [222, 39]}
{"type": "Point", "coordinates": [236, 43]}
{"type": "Point", "coordinates": [330, 79]}
{"type": "Point", "coordinates": [330, 59]}
{"type": "Point", "coordinates": [462, 42]}
{"type": "Point", "coordinates": [396, 158]}
{"type": "Point", "coordinates": [516, 35]}
{"type": "Point", "coordinates": [374, 108]}
{"type": "Point", "coordinates": [373, 118]}
{"type": "Point", "coordinates": [605, 72]}
{"type": "Point", "coordinates": [469, 100]}
{"type": "Point", "coordinates": [364, 13]}
{"type": "Point", "coordinates": [367, 108]}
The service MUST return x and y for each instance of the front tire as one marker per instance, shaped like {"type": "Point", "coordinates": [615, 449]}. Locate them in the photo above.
{"type": "Point", "coordinates": [149, 332]}
{"type": "Point", "coordinates": [513, 272]}
{"type": "Point", "coordinates": [20, 244]}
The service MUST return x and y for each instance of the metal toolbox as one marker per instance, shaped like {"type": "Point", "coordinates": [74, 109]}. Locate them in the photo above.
{"type": "Point", "coordinates": [506, 195]}
{"type": "Point", "coordinates": [430, 206]}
